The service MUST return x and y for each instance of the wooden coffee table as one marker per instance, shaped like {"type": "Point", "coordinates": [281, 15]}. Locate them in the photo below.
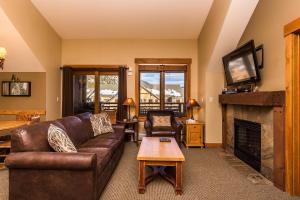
{"type": "Point", "coordinates": [160, 155]}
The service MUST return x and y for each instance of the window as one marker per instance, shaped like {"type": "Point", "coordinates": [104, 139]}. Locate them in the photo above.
{"type": "Point", "coordinates": [105, 84]}
{"type": "Point", "coordinates": [149, 91]}
{"type": "Point", "coordinates": [162, 87]}
{"type": "Point", "coordinates": [109, 85]}
{"type": "Point", "coordinates": [175, 91]}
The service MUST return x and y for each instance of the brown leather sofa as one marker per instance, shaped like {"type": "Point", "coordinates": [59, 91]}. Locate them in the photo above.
{"type": "Point", "coordinates": [163, 131]}
{"type": "Point", "coordinates": [36, 172]}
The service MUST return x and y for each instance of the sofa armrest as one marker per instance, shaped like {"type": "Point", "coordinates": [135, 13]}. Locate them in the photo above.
{"type": "Point", "coordinates": [148, 127]}
{"type": "Point", "coordinates": [177, 125]}
{"type": "Point", "coordinates": [51, 161]}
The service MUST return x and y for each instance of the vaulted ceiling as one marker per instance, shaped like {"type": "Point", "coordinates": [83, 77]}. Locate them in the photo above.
{"type": "Point", "coordinates": [125, 19]}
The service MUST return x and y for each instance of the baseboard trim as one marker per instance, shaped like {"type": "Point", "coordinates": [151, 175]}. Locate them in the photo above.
{"type": "Point", "coordinates": [213, 145]}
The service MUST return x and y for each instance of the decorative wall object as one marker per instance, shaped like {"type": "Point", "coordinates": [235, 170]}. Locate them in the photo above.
{"type": "Point", "coordinates": [16, 88]}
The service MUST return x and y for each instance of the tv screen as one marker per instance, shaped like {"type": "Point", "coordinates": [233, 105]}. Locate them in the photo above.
{"type": "Point", "coordinates": [241, 65]}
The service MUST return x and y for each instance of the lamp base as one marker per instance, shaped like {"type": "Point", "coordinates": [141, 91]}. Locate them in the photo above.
{"type": "Point", "coordinates": [1, 63]}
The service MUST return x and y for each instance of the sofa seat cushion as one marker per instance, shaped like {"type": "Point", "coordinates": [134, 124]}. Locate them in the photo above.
{"type": "Point", "coordinates": [97, 141]}
{"type": "Point", "coordinates": [103, 156]}
{"type": "Point", "coordinates": [118, 135]}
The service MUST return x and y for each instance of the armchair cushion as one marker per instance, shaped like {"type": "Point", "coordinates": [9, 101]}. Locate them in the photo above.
{"type": "Point", "coordinates": [51, 160]}
{"type": "Point", "coordinates": [159, 121]}
{"type": "Point", "coordinates": [167, 125]}
{"type": "Point", "coordinates": [162, 128]}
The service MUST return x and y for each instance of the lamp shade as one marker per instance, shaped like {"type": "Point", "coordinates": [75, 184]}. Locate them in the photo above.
{"type": "Point", "coordinates": [129, 102]}
{"type": "Point", "coordinates": [3, 53]}
{"type": "Point", "coordinates": [192, 103]}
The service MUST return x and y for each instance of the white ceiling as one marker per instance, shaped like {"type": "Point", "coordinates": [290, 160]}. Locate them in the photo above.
{"type": "Point", "coordinates": [124, 19]}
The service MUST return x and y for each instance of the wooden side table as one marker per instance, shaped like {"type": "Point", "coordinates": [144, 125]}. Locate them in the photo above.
{"type": "Point", "coordinates": [193, 134]}
{"type": "Point", "coordinates": [132, 125]}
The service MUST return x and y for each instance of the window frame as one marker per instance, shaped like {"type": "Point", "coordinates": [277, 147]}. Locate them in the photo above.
{"type": "Point", "coordinates": [165, 66]}
{"type": "Point", "coordinates": [97, 72]}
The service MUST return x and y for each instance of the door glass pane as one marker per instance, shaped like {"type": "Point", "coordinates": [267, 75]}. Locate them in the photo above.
{"type": "Point", "coordinates": [84, 93]}
{"type": "Point", "coordinates": [149, 91]}
{"type": "Point", "coordinates": [109, 85]}
{"type": "Point", "coordinates": [174, 92]}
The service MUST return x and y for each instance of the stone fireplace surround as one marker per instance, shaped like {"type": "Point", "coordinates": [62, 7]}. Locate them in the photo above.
{"type": "Point", "coordinates": [268, 109]}
{"type": "Point", "coordinates": [262, 115]}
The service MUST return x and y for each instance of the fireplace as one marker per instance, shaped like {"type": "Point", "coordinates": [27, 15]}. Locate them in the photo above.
{"type": "Point", "coordinates": [247, 142]}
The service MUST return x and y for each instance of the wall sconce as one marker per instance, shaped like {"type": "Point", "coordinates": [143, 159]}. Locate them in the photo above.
{"type": "Point", "coordinates": [3, 54]}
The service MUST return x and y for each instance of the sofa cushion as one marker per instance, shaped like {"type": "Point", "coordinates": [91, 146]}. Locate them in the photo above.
{"type": "Point", "coordinates": [75, 129]}
{"type": "Point", "coordinates": [59, 140]}
{"type": "Point", "coordinates": [101, 123]}
{"type": "Point", "coordinates": [32, 137]}
{"type": "Point", "coordinates": [103, 156]}
{"type": "Point", "coordinates": [97, 141]}
{"type": "Point", "coordinates": [118, 135]}
{"type": "Point", "coordinates": [86, 122]}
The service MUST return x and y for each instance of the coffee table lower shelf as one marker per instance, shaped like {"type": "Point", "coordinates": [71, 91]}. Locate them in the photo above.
{"type": "Point", "coordinates": [159, 168]}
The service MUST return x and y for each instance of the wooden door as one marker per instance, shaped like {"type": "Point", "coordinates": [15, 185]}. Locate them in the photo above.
{"type": "Point", "coordinates": [292, 138]}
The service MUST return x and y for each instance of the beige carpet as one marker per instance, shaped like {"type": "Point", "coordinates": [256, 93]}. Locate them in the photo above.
{"type": "Point", "coordinates": [207, 175]}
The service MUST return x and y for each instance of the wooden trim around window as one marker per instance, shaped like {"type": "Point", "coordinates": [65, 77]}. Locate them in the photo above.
{"type": "Point", "coordinates": [155, 64]}
{"type": "Point", "coordinates": [93, 66]}
{"type": "Point", "coordinates": [187, 61]}
{"type": "Point", "coordinates": [100, 68]}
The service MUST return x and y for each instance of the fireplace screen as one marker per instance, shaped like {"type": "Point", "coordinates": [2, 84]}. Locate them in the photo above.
{"type": "Point", "coordinates": [247, 142]}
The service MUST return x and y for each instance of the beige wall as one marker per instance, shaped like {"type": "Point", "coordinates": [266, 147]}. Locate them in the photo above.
{"type": "Point", "coordinates": [266, 27]}
{"type": "Point", "coordinates": [206, 43]}
{"type": "Point", "coordinates": [222, 31]}
{"type": "Point", "coordinates": [125, 51]}
{"type": "Point", "coordinates": [37, 100]}
{"type": "Point", "coordinates": [44, 43]}
{"type": "Point", "coordinates": [211, 77]}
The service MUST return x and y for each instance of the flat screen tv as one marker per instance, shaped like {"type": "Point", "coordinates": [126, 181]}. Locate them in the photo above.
{"type": "Point", "coordinates": [241, 65]}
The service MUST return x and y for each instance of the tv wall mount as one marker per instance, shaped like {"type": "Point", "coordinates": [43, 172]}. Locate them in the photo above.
{"type": "Point", "coordinates": [260, 56]}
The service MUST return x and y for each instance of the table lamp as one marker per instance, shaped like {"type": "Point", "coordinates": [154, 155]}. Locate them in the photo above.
{"type": "Point", "coordinates": [191, 104]}
{"type": "Point", "coordinates": [129, 102]}
{"type": "Point", "coordinates": [3, 54]}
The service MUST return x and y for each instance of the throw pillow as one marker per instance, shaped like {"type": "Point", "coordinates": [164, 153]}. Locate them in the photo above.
{"type": "Point", "coordinates": [59, 140]}
{"type": "Point", "coordinates": [161, 121]}
{"type": "Point", "coordinates": [101, 123]}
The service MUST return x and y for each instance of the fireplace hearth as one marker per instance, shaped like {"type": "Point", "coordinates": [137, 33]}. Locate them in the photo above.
{"type": "Point", "coordinates": [247, 142]}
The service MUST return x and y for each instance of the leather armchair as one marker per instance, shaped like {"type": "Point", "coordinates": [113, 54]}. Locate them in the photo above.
{"type": "Point", "coordinates": [163, 131]}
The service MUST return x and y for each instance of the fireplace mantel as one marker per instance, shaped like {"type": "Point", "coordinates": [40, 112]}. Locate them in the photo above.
{"type": "Point", "coordinates": [274, 100]}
